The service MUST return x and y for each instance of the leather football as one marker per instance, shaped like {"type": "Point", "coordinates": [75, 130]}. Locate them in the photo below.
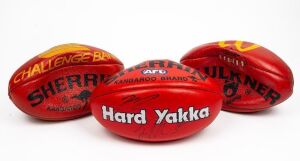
{"type": "Point", "coordinates": [252, 77]}
{"type": "Point", "coordinates": [157, 100]}
{"type": "Point", "coordinates": [56, 84]}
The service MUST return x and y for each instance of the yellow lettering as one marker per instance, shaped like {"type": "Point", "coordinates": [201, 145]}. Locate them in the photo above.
{"type": "Point", "coordinates": [67, 59]}
{"type": "Point", "coordinates": [26, 73]}
{"type": "Point", "coordinates": [98, 56]}
{"type": "Point", "coordinates": [238, 45]}
{"type": "Point", "coordinates": [58, 62]}
{"type": "Point", "coordinates": [46, 66]}
{"type": "Point", "coordinates": [50, 64]}
{"type": "Point", "coordinates": [17, 79]}
{"type": "Point", "coordinates": [223, 44]}
{"type": "Point", "coordinates": [76, 58]}
{"type": "Point", "coordinates": [36, 69]}
{"type": "Point", "coordinates": [63, 49]}
{"type": "Point", "coordinates": [85, 57]}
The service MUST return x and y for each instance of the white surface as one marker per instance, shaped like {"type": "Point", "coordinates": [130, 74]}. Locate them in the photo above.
{"type": "Point", "coordinates": [139, 30]}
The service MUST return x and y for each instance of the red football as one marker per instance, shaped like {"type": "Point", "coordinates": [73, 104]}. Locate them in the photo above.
{"type": "Point", "coordinates": [56, 84]}
{"type": "Point", "coordinates": [157, 100]}
{"type": "Point", "coordinates": [252, 77]}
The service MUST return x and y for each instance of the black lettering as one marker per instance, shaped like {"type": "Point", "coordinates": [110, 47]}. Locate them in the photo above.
{"type": "Point", "coordinates": [230, 88]}
{"type": "Point", "coordinates": [103, 77]}
{"type": "Point", "coordinates": [273, 95]}
{"type": "Point", "coordinates": [187, 69]}
{"type": "Point", "coordinates": [261, 89]}
{"type": "Point", "coordinates": [90, 78]}
{"type": "Point", "coordinates": [153, 62]}
{"type": "Point", "coordinates": [35, 96]}
{"type": "Point", "coordinates": [74, 79]}
{"type": "Point", "coordinates": [235, 75]}
{"type": "Point", "coordinates": [50, 89]}
{"type": "Point", "coordinates": [111, 79]}
{"type": "Point", "coordinates": [129, 70]}
{"type": "Point", "coordinates": [214, 71]}
{"type": "Point", "coordinates": [140, 66]}
{"type": "Point", "coordinates": [248, 80]}
{"type": "Point", "coordinates": [221, 73]}
{"type": "Point", "coordinates": [59, 84]}
{"type": "Point", "coordinates": [171, 64]}
{"type": "Point", "coordinates": [202, 76]}
{"type": "Point", "coordinates": [121, 73]}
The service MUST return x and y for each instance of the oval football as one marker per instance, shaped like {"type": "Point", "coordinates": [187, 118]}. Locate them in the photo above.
{"type": "Point", "coordinates": [157, 100]}
{"type": "Point", "coordinates": [252, 77]}
{"type": "Point", "coordinates": [56, 84]}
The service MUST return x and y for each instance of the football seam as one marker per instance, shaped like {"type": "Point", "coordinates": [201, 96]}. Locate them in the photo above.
{"type": "Point", "coordinates": [156, 87]}
{"type": "Point", "coordinates": [58, 119]}
{"type": "Point", "coordinates": [244, 109]}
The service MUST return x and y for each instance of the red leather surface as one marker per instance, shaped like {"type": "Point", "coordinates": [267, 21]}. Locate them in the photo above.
{"type": "Point", "coordinates": [252, 79]}
{"type": "Point", "coordinates": [62, 92]}
{"type": "Point", "coordinates": [169, 86]}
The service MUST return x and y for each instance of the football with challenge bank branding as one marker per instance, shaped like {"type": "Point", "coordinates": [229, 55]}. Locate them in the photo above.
{"type": "Point", "coordinates": [56, 84]}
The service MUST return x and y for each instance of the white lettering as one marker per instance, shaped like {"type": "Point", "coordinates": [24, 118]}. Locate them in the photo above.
{"type": "Point", "coordinates": [180, 116]}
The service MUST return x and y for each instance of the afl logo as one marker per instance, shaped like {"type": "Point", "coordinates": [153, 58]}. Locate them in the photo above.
{"type": "Point", "coordinates": [154, 71]}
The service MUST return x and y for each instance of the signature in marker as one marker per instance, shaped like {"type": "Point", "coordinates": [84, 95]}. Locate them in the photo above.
{"type": "Point", "coordinates": [137, 100]}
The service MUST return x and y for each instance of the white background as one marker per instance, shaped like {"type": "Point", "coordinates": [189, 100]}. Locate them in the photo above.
{"type": "Point", "coordinates": [134, 31]}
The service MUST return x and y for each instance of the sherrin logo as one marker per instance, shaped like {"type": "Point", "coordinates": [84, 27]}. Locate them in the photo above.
{"type": "Point", "coordinates": [180, 116]}
{"type": "Point", "coordinates": [154, 71]}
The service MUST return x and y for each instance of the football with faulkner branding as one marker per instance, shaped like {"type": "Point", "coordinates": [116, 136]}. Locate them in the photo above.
{"type": "Point", "coordinates": [56, 84]}
{"type": "Point", "coordinates": [252, 77]}
{"type": "Point", "coordinates": [157, 100]}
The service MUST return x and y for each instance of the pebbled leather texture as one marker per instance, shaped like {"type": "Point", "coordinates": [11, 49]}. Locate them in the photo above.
{"type": "Point", "coordinates": [129, 102]}
{"type": "Point", "coordinates": [56, 84]}
{"type": "Point", "coordinates": [252, 77]}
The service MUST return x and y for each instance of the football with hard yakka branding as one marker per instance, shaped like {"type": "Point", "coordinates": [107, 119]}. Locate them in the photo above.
{"type": "Point", "coordinates": [157, 100]}
{"type": "Point", "coordinates": [56, 84]}
{"type": "Point", "coordinates": [252, 77]}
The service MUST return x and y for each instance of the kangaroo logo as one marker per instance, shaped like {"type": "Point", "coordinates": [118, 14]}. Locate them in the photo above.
{"type": "Point", "coordinates": [83, 96]}
{"type": "Point", "coordinates": [230, 88]}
